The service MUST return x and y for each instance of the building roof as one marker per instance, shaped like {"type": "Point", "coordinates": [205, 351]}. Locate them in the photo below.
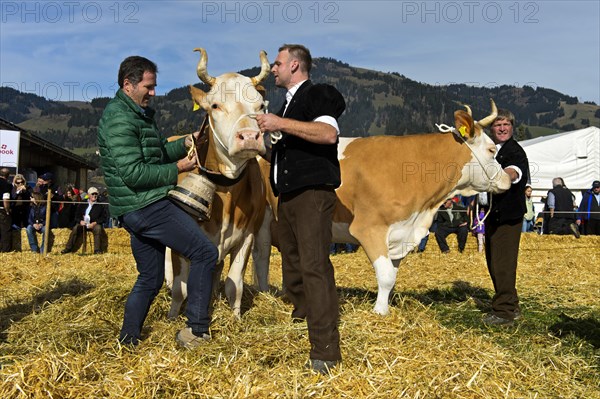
{"type": "Point", "coordinates": [66, 157]}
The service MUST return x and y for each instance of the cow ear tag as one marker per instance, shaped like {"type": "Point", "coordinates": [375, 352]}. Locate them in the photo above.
{"type": "Point", "coordinates": [463, 130]}
{"type": "Point", "coordinates": [196, 106]}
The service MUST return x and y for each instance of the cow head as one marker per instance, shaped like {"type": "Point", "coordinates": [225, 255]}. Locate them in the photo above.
{"type": "Point", "coordinates": [482, 173]}
{"type": "Point", "coordinates": [231, 104]}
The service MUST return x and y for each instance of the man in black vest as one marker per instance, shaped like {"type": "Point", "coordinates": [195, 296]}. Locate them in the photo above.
{"type": "Point", "coordinates": [304, 175]}
{"type": "Point", "coordinates": [451, 218]}
{"type": "Point", "coordinates": [504, 223]}
{"type": "Point", "coordinates": [561, 203]}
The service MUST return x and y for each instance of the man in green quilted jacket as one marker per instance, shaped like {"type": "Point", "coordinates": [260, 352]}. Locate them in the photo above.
{"type": "Point", "coordinates": [140, 167]}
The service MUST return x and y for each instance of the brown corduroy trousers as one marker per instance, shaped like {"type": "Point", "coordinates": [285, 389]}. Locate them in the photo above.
{"type": "Point", "coordinates": [501, 254]}
{"type": "Point", "coordinates": [304, 229]}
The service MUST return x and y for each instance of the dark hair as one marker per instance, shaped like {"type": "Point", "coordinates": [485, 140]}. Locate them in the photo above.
{"type": "Point", "coordinates": [36, 195]}
{"type": "Point", "coordinates": [133, 68]}
{"type": "Point", "coordinates": [301, 53]}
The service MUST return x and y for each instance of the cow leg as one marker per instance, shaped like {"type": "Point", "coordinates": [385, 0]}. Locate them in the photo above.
{"type": "Point", "coordinates": [217, 278]}
{"type": "Point", "coordinates": [169, 273]}
{"type": "Point", "coordinates": [234, 284]}
{"type": "Point", "coordinates": [386, 278]}
{"type": "Point", "coordinates": [261, 253]}
{"type": "Point", "coordinates": [180, 270]}
{"type": "Point", "coordinates": [374, 243]}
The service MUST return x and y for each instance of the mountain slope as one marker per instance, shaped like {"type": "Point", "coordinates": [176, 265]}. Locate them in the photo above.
{"type": "Point", "coordinates": [376, 103]}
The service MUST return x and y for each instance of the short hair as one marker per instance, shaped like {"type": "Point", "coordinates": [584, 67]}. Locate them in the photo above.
{"type": "Point", "coordinates": [558, 181]}
{"type": "Point", "coordinates": [36, 195]}
{"type": "Point", "coordinates": [133, 68]}
{"type": "Point", "coordinates": [5, 172]}
{"type": "Point", "coordinates": [301, 53]}
{"type": "Point", "coordinates": [505, 114]}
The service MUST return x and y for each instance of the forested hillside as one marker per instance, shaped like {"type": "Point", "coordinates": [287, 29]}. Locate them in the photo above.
{"type": "Point", "coordinates": [376, 103]}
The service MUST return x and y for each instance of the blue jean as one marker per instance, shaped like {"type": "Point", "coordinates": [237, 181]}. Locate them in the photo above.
{"type": "Point", "coordinates": [152, 229]}
{"type": "Point", "coordinates": [527, 226]}
{"type": "Point", "coordinates": [32, 238]}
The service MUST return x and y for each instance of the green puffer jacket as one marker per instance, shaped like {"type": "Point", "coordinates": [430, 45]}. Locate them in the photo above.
{"type": "Point", "coordinates": [139, 164]}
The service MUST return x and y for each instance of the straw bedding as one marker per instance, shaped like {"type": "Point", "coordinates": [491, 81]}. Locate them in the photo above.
{"type": "Point", "coordinates": [60, 316]}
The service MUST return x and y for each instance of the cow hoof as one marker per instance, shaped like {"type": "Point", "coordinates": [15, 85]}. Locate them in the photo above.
{"type": "Point", "coordinates": [381, 310]}
{"type": "Point", "coordinates": [172, 317]}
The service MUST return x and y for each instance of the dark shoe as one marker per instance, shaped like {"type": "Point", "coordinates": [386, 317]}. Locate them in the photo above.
{"type": "Point", "coordinates": [186, 339]}
{"type": "Point", "coordinates": [98, 252]}
{"type": "Point", "coordinates": [493, 320]}
{"type": "Point", "coordinates": [321, 366]}
{"type": "Point", "coordinates": [575, 230]}
{"type": "Point", "coordinates": [65, 251]}
{"type": "Point", "coordinates": [517, 314]}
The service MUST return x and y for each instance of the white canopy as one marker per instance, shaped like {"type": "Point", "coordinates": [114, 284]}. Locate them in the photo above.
{"type": "Point", "coordinates": [574, 156]}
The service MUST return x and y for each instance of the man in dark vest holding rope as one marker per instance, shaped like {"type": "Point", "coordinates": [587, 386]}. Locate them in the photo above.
{"type": "Point", "coordinates": [304, 175]}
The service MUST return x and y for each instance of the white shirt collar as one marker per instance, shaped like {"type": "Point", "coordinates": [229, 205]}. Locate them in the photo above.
{"type": "Point", "coordinates": [290, 93]}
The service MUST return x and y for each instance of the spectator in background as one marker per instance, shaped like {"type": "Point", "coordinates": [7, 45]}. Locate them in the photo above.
{"type": "Point", "coordinates": [589, 210]}
{"type": "Point", "coordinates": [338, 248]}
{"type": "Point", "coordinates": [90, 216]}
{"type": "Point", "coordinates": [528, 218]}
{"type": "Point", "coordinates": [44, 183]}
{"type": "Point", "coordinates": [37, 222]}
{"type": "Point", "coordinates": [21, 196]}
{"type": "Point", "coordinates": [479, 229]}
{"type": "Point", "coordinates": [451, 219]}
{"type": "Point", "coordinates": [66, 213]}
{"type": "Point", "coordinates": [5, 218]}
{"type": "Point", "coordinates": [561, 204]}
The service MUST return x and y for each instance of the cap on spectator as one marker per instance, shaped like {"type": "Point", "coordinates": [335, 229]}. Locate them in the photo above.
{"type": "Point", "coordinates": [47, 176]}
{"type": "Point", "coordinates": [596, 184]}
{"type": "Point", "coordinates": [92, 190]}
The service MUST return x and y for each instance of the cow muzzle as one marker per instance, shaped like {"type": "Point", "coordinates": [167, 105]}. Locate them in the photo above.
{"type": "Point", "coordinates": [248, 140]}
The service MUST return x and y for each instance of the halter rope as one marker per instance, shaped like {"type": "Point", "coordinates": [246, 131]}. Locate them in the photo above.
{"type": "Point", "coordinates": [445, 129]}
{"type": "Point", "coordinates": [216, 177]}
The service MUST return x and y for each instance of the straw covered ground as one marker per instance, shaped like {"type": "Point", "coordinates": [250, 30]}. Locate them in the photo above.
{"type": "Point", "coordinates": [60, 316]}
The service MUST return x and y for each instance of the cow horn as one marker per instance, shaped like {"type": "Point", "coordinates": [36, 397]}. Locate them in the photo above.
{"type": "Point", "coordinates": [485, 122]}
{"type": "Point", "coordinates": [265, 67]}
{"type": "Point", "coordinates": [468, 110]}
{"type": "Point", "coordinates": [201, 68]}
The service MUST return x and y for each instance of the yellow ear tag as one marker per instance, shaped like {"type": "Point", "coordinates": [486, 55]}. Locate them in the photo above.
{"type": "Point", "coordinates": [196, 106]}
{"type": "Point", "coordinates": [463, 130]}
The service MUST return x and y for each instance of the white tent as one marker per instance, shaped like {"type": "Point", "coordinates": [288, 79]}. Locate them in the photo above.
{"type": "Point", "coordinates": [574, 156]}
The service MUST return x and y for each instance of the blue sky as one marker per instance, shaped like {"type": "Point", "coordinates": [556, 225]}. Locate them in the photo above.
{"type": "Point", "coordinates": [71, 50]}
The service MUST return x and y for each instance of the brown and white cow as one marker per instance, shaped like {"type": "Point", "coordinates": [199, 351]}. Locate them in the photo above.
{"type": "Point", "coordinates": [238, 207]}
{"type": "Point", "coordinates": [392, 187]}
